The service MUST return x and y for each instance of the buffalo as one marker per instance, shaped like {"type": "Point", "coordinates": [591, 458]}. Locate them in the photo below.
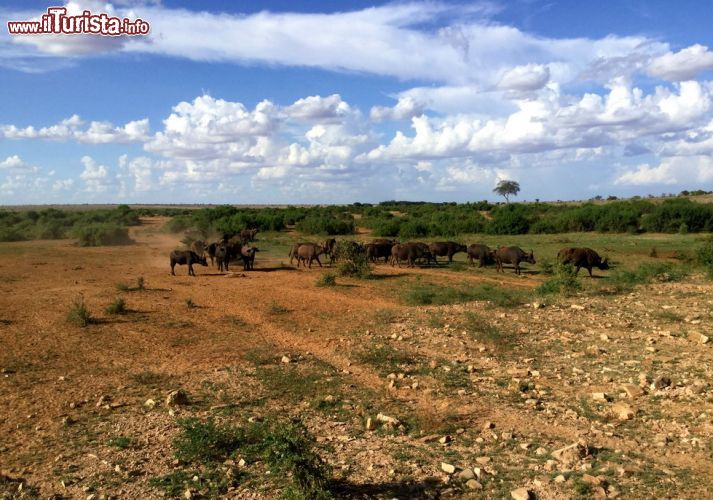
{"type": "Point", "coordinates": [247, 235]}
{"type": "Point", "coordinates": [222, 256]}
{"type": "Point", "coordinates": [248, 255]}
{"type": "Point", "coordinates": [293, 250]}
{"type": "Point", "coordinates": [309, 252]}
{"type": "Point", "coordinates": [211, 249]}
{"type": "Point", "coordinates": [582, 257]}
{"type": "Point", "coordinates": [482, 253]}
{"type": "Point", "coordinates": [329, 248]}
{"type": "Point", "coordinates": [410, 252]}
{"type": "Point", "coordinates": [512, 255]}
{"type": "Point", "coordinates": [186, 257]}
{"type": "Point", "coordinates": [378, 249]}
{"type": "Point", "coordinates": [445, 249]}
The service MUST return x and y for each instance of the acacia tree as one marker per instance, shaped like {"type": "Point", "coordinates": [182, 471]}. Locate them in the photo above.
{"type": "Point", "coordinates": [507, 188]}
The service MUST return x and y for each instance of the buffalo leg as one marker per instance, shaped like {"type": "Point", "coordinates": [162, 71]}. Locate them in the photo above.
{"type": "Point", "coordinates": [318, 262]}
{"type": "Point", "coordinates": [577, 271]}
{"type": "Point", "coordinates": [190, 270]}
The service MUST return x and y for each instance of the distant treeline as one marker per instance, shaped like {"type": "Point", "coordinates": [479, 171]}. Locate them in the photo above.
{"type": "Point", "coordinates": [405, 220]}
{"type": "Point", "coordinates": [90, 227]}
{"type": "Point", "coordinates": [409, 220]}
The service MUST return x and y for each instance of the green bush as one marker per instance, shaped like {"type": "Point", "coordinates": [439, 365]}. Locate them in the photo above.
{"type": "Point", "coordinates": [78, 313]}
{"type": "Point", "coordinates": [101, 234]}
{"type": "Point", "coordinates": [509, 219]}
{"type": "Point", "coordinates": [352, 261]}
{"type": "Point", "coordinates": [116, 307]}
{"type": "Point", "coordinates": [327, 280]}
{"type": "Point", "coordinates": [564, 281]}
{"type": "Point", "coordinates": [326, 225]}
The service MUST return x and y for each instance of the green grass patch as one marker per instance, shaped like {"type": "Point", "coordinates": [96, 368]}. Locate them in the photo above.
{"type": "Point", "coordinates": [645, 273]}
{"type": "Point", "coordinates": [286, 447]}
{"type": "Point", "coordinates": [149, 378]}
{"type": "Point", "coordinates": [484, 331]}
{"type": "Point", "coordinates": [78, 313]}
{"type": "Point", "coordinates": [120, 442]}
{"type": "Point", "coordinates": [387, 359]}
{"type": "Point", "coordinates": [118, 306]}
{"type": "Point", "coordinates": [327, 279]}
{"type": "Point", "coordinates": [563, 282]}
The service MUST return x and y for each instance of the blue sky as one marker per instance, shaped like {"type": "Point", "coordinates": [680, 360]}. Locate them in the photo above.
{"type": "Point", "coordinates": [335, 102]}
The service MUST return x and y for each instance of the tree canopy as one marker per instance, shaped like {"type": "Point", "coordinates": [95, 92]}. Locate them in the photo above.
{"type": "Point", "coordinates": [507, 188]}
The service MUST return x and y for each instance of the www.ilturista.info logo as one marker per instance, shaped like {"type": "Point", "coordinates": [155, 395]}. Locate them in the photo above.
{"type": "Point", "coordinates": [56, 21]}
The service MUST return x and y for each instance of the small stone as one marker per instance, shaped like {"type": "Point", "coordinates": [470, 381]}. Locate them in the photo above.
{"type": "Point", "coordinates": [386, 419]}
{"type": "Point", "coordinates": [521, 494]}
{"type": "Point", "coordinates": [698, 337]}
{"type": "Point", "coordinates": [577, 307]}
{"type": "Point", "coordinates": [466, 474]}
{"type": "Point", "coordinates": [67, 420]}
{"type": "Point", "coordinates": [560, 479]}
{"type": "Point", "coordinates": [595, 481]}
{"type": "Point", "coordinates": [488, 425]}
{"type": "Point", "coordinates": [601, 397]}
{"type": "Point", "coordinates": [570, 454]}
{"type": "Point", "coordinates": [483, 460]}
{"type": "Point", "coordinates": [285, 359]}
{"type": "Point", "coordinates": [662, 382]}
{"type": "Point", "coordinates": [623, 411]}
{"type": "Point", "coordinates": [149, 403]}
{"type": "Point", "coordinates": [188, 494]}
{"type": "Point", "coordinates": [448, 468]}
{"type": "Point", "coordinates": [242, 462]}
{"type": "Point", "coordinates": [604, 337]}
{"type": "Point", "coordinates": [370, 424]}
{"type": "Point", "coordinates": [540, 451]}
{"type": "Point", "coordinates": [472, 484]}
{"type": "Point", "coordinates": [632, 390]}
{"type": "Point", "coordinates": [177, 398]}
{"type": "Point", "coordinates": [445, 440]}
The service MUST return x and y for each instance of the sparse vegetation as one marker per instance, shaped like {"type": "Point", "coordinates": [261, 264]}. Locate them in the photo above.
{"type": "Point", "coordinates": [564, 281]}
{"type": "Point", "coordinates": [120, 442]}
{"type": "Point", "coordinates": [277, 308]}
{"type": "Point", "coordinates": [79, 314]}
{"type": "Point", "coordinates": [327, 279]}
{"type": "Point", "coordinates": [118, 306]}
{"type": "Point", "coordinates": [190, 304]}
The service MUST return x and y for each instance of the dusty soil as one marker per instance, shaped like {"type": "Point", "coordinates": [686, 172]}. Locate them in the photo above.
{"type": "Point", "coordinates": [487, 389]}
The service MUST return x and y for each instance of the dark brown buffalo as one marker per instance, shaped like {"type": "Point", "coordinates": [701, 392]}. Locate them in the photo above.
{"type": "Point", "coordinates": [382, 249]}
{"type": "Point", "coordinates": [248, 234]}
{"type": "Point", "coordinates": [582, 257]}
{"type": "Point", "coordinates": [186, 257]}
{"type": "Point", "coordinates": [565, 253]}
{"type": "Point", "coordinates": [309, 252]}
{"type": "Point", "coordinates": [222, 256]}
{"type": "Point", "coordinates": [445, 249]}
{"type": "Point", "coordinates": [410, 252]}
{"type": "Point", "coordinates": [248, 254]}
{"type": "Point", "coordinates": [329, 248]}
{"type": "Point", "coordinates": [211, 252]}
{"type": "Point", "coordinates": [512, 255]}
{"type": "Point", "coordinates": [482, 253]}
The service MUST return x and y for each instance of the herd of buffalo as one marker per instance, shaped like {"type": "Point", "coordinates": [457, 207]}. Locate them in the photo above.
{"type": "Point", "coordinates": [239, 247]}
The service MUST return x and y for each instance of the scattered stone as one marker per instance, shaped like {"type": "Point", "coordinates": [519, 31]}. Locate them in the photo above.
{"type": "Point", "coordinates": [632, 390]}
{"type": "Point", "coordinates": [623, 411]}
{"type": "Point", "coordinates": [445, 440]}
{"type": "Point", "coordinates": [540, 451]}
{"type": "Point", "coordinates": [370, 424]}
{"type": "Point", "coordinates": [601, 397]}
{"type": "Point", "coordinates": [698, 337]}
{"type": "Point", "coordinates": [472, 484]}
{"type": "Point", "coordinates": [286, 359]}
{"type": "Point", "coordinates": [177, 398]}
{"type": "Point", "coordinates": [662, 382]}
{"type": "Point", "coordinates": [521, 494]}
{"type": "Point", "coordinates": [560, 479]}
{"type": "Point", "coordinates": [448, 468]}
{"type": "Point", "coordinates": [570, 454]}
{"type": "Point", "coordinates": [577, 307]}
{"type": "Point", "coordinates": [483, 460]}
{"type": "Point", "coordinates": [386, 419]}
{"type": "Point", "coordinates": [595, 481]}
{"type": "Point", "coordinates": [149, 403]}
{"type": "Point", "coordinates": [466, 475]}
{"type": "Point", "coordinates": [488, 425]}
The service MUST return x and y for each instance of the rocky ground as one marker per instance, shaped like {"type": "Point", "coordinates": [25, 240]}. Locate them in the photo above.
{"type": "Point", "coordinates": [593, 395]}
